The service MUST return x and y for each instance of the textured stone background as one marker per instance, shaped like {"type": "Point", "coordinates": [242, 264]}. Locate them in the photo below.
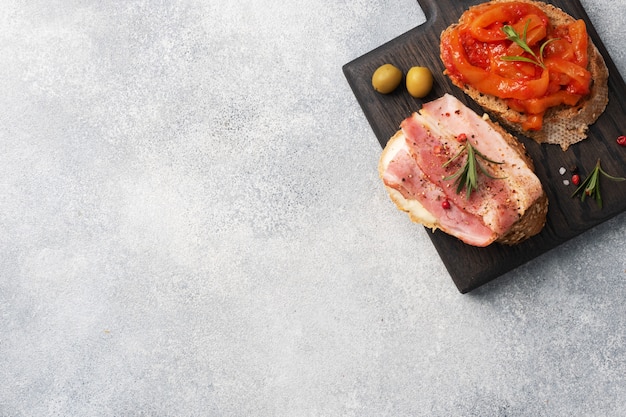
{"type": "Point", "coordinates": [192, 225]}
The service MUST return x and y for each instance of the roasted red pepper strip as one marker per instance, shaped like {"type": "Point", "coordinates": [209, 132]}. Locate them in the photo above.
{"type": "Point", "coordinates": [472, 53]}
{"type": "Point", "coordinates": [487, 82]}
{"type": "Point", "coordinates": [540, 105]}
{"type": "Point", "coordinates": [485, 26]}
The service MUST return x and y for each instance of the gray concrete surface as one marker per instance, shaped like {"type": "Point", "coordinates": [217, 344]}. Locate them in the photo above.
{"type": "Point", "coordinates": [192, 225]}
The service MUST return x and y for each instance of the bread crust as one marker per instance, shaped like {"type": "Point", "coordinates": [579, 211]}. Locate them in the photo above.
{"type": "Point", "coordinates": [562, 125]}
{"type": "Point", "coordinates": [534, 218]}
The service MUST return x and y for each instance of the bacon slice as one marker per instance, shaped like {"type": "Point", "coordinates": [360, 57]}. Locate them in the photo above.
{"type": "Point", "coordinates": [412, 169]}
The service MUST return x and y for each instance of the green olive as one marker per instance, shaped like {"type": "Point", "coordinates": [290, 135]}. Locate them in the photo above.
{"type": "Point", "coordinates": [419, 81]}
{"type": "Point", "coordinates": [386, 78]}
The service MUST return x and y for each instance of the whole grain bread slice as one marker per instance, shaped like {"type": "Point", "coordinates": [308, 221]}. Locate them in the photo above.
{"type": "Point", "coordinates": [530, 223]}
{"type": "Point", "coordinates": [562, 125]}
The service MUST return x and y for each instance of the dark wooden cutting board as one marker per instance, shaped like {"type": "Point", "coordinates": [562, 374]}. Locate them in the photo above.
{"type": "Point", "coordinates": [568, 217]}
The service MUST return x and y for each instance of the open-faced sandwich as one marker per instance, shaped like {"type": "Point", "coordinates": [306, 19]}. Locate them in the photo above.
{"type": "Point", "coordinates": [453, 170]}
{"type": "Point", "coordinates": [531, 66]}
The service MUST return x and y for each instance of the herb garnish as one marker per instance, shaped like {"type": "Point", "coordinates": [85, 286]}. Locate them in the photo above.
{"type": "Point", "coordinates": [513, 36]}
{"type": "Point", "coordinates": [591, 185]}
{"type": "Point", "coordinates": [467, 175]}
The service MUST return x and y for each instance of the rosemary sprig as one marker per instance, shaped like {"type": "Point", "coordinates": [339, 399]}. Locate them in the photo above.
{"type": "Point", "coordinates": [591, 185]}
{"type": "Point", "coordinates": [467, 175]}
{"type": "Point", "coordinates": [513, 36]}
